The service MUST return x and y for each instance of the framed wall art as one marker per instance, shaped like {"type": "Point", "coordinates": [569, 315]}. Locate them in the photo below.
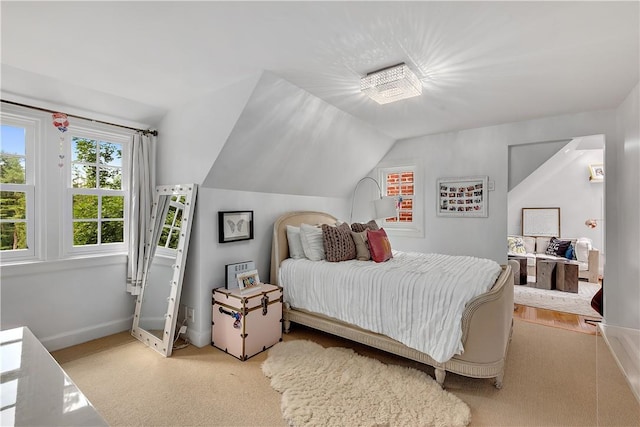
{"type": "Point", "coordinates": [463, 197]}
{"type": "Point", "coordinates": [596, 172]}
{"type": "Point", "coordinates": [541, 222]}
{"type": "Point", "coordinates": [234, 226]}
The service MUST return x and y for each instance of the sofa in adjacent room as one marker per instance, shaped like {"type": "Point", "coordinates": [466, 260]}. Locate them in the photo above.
{"type": "Point", "coordinates": [580, 250]}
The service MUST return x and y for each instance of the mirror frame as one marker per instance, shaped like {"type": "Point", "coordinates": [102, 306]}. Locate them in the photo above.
{"type": "Point", "coordinates": [165, 345]}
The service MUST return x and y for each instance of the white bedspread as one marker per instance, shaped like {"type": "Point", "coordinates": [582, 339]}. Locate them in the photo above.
{"type": "Point", "coordinates": [415, 298]}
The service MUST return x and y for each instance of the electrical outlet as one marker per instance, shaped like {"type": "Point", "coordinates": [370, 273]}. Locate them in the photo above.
{"type": "Point", "coordinates": [191, 315]}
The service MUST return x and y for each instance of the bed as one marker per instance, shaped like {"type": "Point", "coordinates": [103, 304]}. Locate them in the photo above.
{"type": "Point", "coordinates": [485, 324]}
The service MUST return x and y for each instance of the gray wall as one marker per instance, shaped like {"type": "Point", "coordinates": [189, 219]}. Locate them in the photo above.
{"type": "Point", "coordinates": [207, 258]}
{"type": "Point", "coordinates": [68, 302]}
{"type": "Point", "coordinates": [622, 163]}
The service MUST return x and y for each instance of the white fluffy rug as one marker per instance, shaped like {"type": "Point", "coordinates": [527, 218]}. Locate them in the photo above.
{"type": "Point", "coordinates": [337, 387]}
{"type": "Point", "coordinates": [567, 302]}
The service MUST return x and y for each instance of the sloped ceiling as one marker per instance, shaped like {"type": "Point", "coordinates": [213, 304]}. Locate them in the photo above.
{"type": "Point", "coordinates": [289, 141]}
{"type": "Point", "coordinates": [526, 158]}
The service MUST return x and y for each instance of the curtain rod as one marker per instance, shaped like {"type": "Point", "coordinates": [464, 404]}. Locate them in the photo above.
{"type": "Point", "coordinates": [46, 110]}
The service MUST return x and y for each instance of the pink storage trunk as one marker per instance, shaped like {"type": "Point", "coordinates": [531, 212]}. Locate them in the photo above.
{"type": "Point", "coordinates": [244, 324]}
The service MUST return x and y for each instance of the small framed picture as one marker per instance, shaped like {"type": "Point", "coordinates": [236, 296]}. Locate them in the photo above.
{"type": "Point", "coordinates": [596, 172]}
{"type": "Point", "coordinates": [231, 272]}
{"type": "Point", "coordinates": [248, 280]}
{"type": "Point", "coordinates": [234, 226]}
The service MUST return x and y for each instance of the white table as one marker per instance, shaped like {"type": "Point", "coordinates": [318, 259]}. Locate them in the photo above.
{"type": "Point", "coordinates": [34, 390]}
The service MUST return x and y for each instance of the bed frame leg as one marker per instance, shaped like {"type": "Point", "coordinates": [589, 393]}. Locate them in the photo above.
{"type": "Point", "coordinates": [440, 374]}
{"type": "Point", "coordinates": [287, 326]}
{"type": "Point", "coordinates": [498, 382]}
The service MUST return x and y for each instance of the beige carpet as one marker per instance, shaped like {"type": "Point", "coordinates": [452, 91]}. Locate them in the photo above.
{"type": "Point", "coordinates": [553, 377]}
{"type": "Point", "coordinates": [567, 302]}
{"type": "Point", "coordinates": [336, 387]}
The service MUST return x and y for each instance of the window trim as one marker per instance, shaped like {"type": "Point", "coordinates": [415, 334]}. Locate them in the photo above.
{"type": "Point", "coordinates": [416, 227]}
{"type": "Point", "coordinates": [33, 178]}
{"type": "Point", "coordinates": [68, 249]}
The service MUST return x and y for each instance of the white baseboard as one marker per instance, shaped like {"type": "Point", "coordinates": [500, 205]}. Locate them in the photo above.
{"type": "Point", "coordinates": [199, 338]}
{"type": "Point", "coordinates": [79, 336]}
{"type": "Point", "coordinates": [624, 344]}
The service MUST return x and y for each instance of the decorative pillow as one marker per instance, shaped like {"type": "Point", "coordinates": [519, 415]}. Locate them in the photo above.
{"type": "Point", "coordinates": [516, 245]}
{"type": "Point", "coordinates": [295, 243]}
{"type": "Point", "coordinates": [571, 252]}
{"type": "Point", "coordinates": [338, 243]}
{"type": "Point", "coordinates": [379, 245]}
{"type": "Point", "coordinates": [359, 227]}
{"type": "Point", "coordinates": [362, 246]}
{"type": "Point", "coordinates": [582, 248]}
{"type": "Point", "coordinates": [529, 244]}
{"type": "Point", "coordinates": [312, 244]}
{"type": "Point", "coordinates": [541, 244]}
{"type": "Point", "coordinates": [557, 247]}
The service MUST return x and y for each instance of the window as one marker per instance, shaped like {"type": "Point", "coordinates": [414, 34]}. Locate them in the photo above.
{"type": "Point", "coordinates": [17, 187]}
{"type": "Point", "coordinates": [96, 192]}
{"type": "Point", "coordinates": [400, 182]}
{"type": "Point", "coordinates": [170, 235]}
{"type": "Point", "coordinates": [81, 207]}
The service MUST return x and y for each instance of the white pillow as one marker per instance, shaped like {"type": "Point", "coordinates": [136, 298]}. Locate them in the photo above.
{"type": "Point", "coordinates": [312, 242]}
{"type": "Point", "coordinates": [530, 244]}
{"type": "Point", "coordinates": [583, 245]}
{"type": "Point", "coordinates": [295, 242]}
{"type": "Point", "coordinates": [541, 244]}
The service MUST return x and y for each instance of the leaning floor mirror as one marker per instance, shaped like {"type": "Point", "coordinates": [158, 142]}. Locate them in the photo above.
{"type": "Point", "coordinates": [154, 321]}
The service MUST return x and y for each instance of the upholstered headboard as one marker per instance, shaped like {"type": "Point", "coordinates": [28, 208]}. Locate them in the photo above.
{"type": "Point", "coordinates": [279, 245]}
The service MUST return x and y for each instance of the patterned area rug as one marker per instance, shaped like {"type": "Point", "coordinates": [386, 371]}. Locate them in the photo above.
{"type": "Point", "coordinates": [566, 302]}
{"type": "Point", "coordinates": [337, 387]}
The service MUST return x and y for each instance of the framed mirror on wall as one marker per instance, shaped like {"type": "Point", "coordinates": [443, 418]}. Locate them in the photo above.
{"type": "Point", "coordinates": [154, 321]}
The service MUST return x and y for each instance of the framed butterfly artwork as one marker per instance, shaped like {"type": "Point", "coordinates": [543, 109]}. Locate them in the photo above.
{"type": "Point", "coordinates": [234, 226]}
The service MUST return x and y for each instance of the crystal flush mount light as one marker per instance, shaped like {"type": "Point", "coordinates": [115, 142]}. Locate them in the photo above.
{"type": "Point", "coordinates": [391, 84]}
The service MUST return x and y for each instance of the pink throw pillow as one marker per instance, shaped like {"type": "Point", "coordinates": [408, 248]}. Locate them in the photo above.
{"type": "Point", "coordinates": [379, 245]}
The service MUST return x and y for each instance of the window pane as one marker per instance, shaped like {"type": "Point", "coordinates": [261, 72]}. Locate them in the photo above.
{"type": "Point", "coordinates": [13, 140]}
{"type": "Point", "coordinates": [113, 207]}
{"type": "Point", "coordinates": [13, 236]}
{"type": "Point", "coordinates": [12, 169]}
{"type": "Point", "coordinates": [83, 176]}
{"type": "Point", "coordinates": [163, 237]}
{"type": "Point", "coordinates": [110, 153]}
{"type": "Point", "coordinates": [111, 178]}
{"type": "Point", "coordinates": [85, 233]}
{"type": "Point", "coordinates": [175, 236]}
{"type": "Point", "coordinates": [83, 150]}
{"type": "Point", "coordinates": [13, 205]}
{"type": "Point", "coordinates": [112, 232]}
{"type": "Point", "coordinates": [171, 213]}
{"type": "Point", "coordinates": [85, 206]}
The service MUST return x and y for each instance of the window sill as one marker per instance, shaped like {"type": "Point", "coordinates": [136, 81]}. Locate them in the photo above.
{"type": "Point", "coordinates": [26, 268]}
{"type": "Point", "coordinates": [403, 232]}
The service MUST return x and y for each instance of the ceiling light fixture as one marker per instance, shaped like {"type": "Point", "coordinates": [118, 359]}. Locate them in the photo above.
{"type": "Point", "coordinates": [391, 84]}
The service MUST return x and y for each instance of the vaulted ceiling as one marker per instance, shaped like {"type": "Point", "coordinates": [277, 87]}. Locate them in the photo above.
{"type": "Point", "coordinates": [481, 63]}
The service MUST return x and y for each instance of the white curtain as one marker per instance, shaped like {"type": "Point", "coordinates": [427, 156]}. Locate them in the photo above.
{"type": "Point", "coordinates": [141, 191]}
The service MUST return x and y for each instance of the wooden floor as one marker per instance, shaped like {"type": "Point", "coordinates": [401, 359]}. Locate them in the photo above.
{"type": "Point", "coordinates": [556, 319]}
